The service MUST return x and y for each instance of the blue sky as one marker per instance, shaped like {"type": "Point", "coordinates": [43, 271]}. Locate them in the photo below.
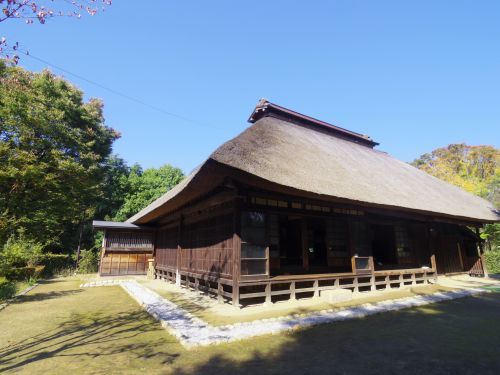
{"type": "Point", "coordinates": [414, 75]}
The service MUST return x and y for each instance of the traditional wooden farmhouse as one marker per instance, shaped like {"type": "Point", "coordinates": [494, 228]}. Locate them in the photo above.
{"type": "Point", "coordinates": [294, 206]}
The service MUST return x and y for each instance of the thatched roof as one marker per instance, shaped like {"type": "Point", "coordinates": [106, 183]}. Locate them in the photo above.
{"type": "Point", "coordinates": [312, 159]}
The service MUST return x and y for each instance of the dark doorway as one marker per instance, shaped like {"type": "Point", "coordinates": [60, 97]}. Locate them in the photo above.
{"type": "Point", "coordinates": [290, 245]}
{"type": "Point", "coordinates": [316, 246]}
{"type": "Point", "coordinates": [384, 245]}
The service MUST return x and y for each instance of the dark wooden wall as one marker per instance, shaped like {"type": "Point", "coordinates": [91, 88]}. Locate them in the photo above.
{"type": "Point", "coordinates": [207, 247]}
{"type": "Point", "coordinates": [166, 248]}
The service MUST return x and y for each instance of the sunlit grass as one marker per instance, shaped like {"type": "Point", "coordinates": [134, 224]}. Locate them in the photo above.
{"type": "Point", "coordinates": [59, 328]}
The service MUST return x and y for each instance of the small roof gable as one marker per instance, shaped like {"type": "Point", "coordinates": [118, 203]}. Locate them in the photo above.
{"type": "Point", "coordinates": [302, 156]}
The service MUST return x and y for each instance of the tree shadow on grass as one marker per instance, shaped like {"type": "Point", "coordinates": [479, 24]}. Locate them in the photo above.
{"type": "Point", "coordinates": [44, 296]}
{"type": "Point", "coordinates": [96, 334]}
{"type": "Point", "coordinates": [453, 337]}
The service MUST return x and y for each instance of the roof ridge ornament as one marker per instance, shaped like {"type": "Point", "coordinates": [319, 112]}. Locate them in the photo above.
{"type": "Point", "coordinates": [265, 108]}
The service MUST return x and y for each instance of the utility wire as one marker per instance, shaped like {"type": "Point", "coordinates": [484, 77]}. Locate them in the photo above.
{"type": "Point", "coordinates": [113, 91]}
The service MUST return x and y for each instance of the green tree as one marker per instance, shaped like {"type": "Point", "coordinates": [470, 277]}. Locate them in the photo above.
{"type": "Point", "coordinates": [473, 168]}
{"type": "Point", "coordinates": [145, 186]}
{"type": "Point", "coordinates": [53, 149]}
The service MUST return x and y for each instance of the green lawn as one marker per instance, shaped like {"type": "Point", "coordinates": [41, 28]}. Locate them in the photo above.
{"type": "Point", "coordinates": [59, 328]}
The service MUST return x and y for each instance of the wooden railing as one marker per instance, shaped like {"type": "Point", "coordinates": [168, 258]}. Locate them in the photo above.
{"type": "Point", "coordinates": [299, 286]}
{"type": "Point", "coordinates": [293, 288]}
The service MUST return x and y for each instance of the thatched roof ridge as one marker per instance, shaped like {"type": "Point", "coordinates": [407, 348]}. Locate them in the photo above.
{"type": "Point", "coordinates": [302, 158]}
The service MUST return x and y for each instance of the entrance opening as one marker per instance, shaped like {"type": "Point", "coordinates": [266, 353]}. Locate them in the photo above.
{"type": "Point", "coordinates": [316, 246]}
{"type": "Point", "coordinates": [384, 246]}
{"type": "Point", "coordinates": [290, 245]}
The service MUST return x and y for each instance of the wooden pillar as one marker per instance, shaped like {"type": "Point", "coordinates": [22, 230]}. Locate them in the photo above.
{"type": "Point", "coordinates": [179, 252]}
{"type": "Point", "coordinates": [373, 287]}
{"type": "Point", "coordinates": [293, 297]}
{"type": "Point", "coordinates": [268, 294]}
{"type": "Point", "coordinates": [459, 249]}
{"type": "Point", "coordinates": [434, 266]}
{"type": "Point", "coordinates": [316, 288]}
{"type": "Point", "coordinates": [305, 245]}
{"type": "Point", "coordinates": [481, 252]}
{"type": "Point", "coordinates": [236, 253]}
{"type": "Point", "coordinates": [220, 289]}
{"type": "Point", "coordinates": [479, 242]}
{"type": "Point", "coordinates": [351, 244]}
{"type": "Point", "coordinates": [103, 251]}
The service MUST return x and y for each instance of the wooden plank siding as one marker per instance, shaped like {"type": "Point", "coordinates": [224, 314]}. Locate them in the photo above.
{"type": "Point", "coordinates": [124, 263]}
{"type": "Point", "coordinates": [207, 247]}
{"type": "Point", "coordinates": [126, 252]}
{"type": "Point", "coordinates": [166, 248]}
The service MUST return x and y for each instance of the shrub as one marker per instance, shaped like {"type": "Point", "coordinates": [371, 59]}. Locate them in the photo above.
{"type": "Point", "coordinates": [492, 259]}
{"type": "Point", "coordinates": [7, 289]}
{"type": "Point", "coordinates": [19, 252]}
{"type": "Point", "coordinates": [24, 273]}
{"type": "Point", "coordinates": [56, 264]}
{"type": "Point", "coordinates": [89, 260]}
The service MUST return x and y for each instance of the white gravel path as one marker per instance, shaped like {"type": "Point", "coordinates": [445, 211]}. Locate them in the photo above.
{"type": "Point", "coordinates": [192, 331]}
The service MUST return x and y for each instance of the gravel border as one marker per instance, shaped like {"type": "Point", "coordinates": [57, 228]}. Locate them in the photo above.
{"type": "Point", "coordinates": [191, 331]}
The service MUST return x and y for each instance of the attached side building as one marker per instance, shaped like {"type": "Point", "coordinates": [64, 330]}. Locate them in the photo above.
{"type": "Point", "coordinates": [294, 206]}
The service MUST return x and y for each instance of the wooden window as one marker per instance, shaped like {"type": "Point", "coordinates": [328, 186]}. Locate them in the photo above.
{"type": "Point", "coordinates": [254, 251]}
{"type": "Point", "coordinates": [129, 240]}
{"type": "Point", "coordinates": [403, 245]}
{"type": "Point", "coordinates": [283, 204]}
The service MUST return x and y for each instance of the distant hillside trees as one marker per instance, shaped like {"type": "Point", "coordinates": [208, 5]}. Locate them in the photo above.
{"type": "Point", "coordinates": [473, 168]}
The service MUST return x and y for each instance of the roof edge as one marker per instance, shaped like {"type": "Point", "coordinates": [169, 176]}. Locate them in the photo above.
{"type": "Point", "coordinates": [102, 225]}
{"type": "Point", "coordinates": [265, 108]}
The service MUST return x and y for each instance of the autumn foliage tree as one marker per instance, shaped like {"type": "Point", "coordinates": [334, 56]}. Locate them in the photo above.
{"type": "Point", "coordinates": [473, 168]}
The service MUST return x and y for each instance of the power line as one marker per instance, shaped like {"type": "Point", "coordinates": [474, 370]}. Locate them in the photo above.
{"type": "Point", "coordinates": [113, 91]}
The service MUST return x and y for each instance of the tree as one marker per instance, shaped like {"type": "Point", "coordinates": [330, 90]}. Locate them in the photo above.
{"type": "Point", "coordinates": [146, 186]}
{"type": "Point", "coordinates": [53, 149]}
{"type": "Point", "coordinates": [115, 187]}
{"type": "Point", "coordinates": [41, 11]}
{"type": "Point", "coordinates": [473, 168]}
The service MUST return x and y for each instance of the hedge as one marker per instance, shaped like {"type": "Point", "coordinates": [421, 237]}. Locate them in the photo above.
{"type": "Point", "coordinates": [24, 273]}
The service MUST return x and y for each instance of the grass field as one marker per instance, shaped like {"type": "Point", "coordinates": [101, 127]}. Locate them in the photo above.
{"type": "Point", "coordinates": [59, 328]}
